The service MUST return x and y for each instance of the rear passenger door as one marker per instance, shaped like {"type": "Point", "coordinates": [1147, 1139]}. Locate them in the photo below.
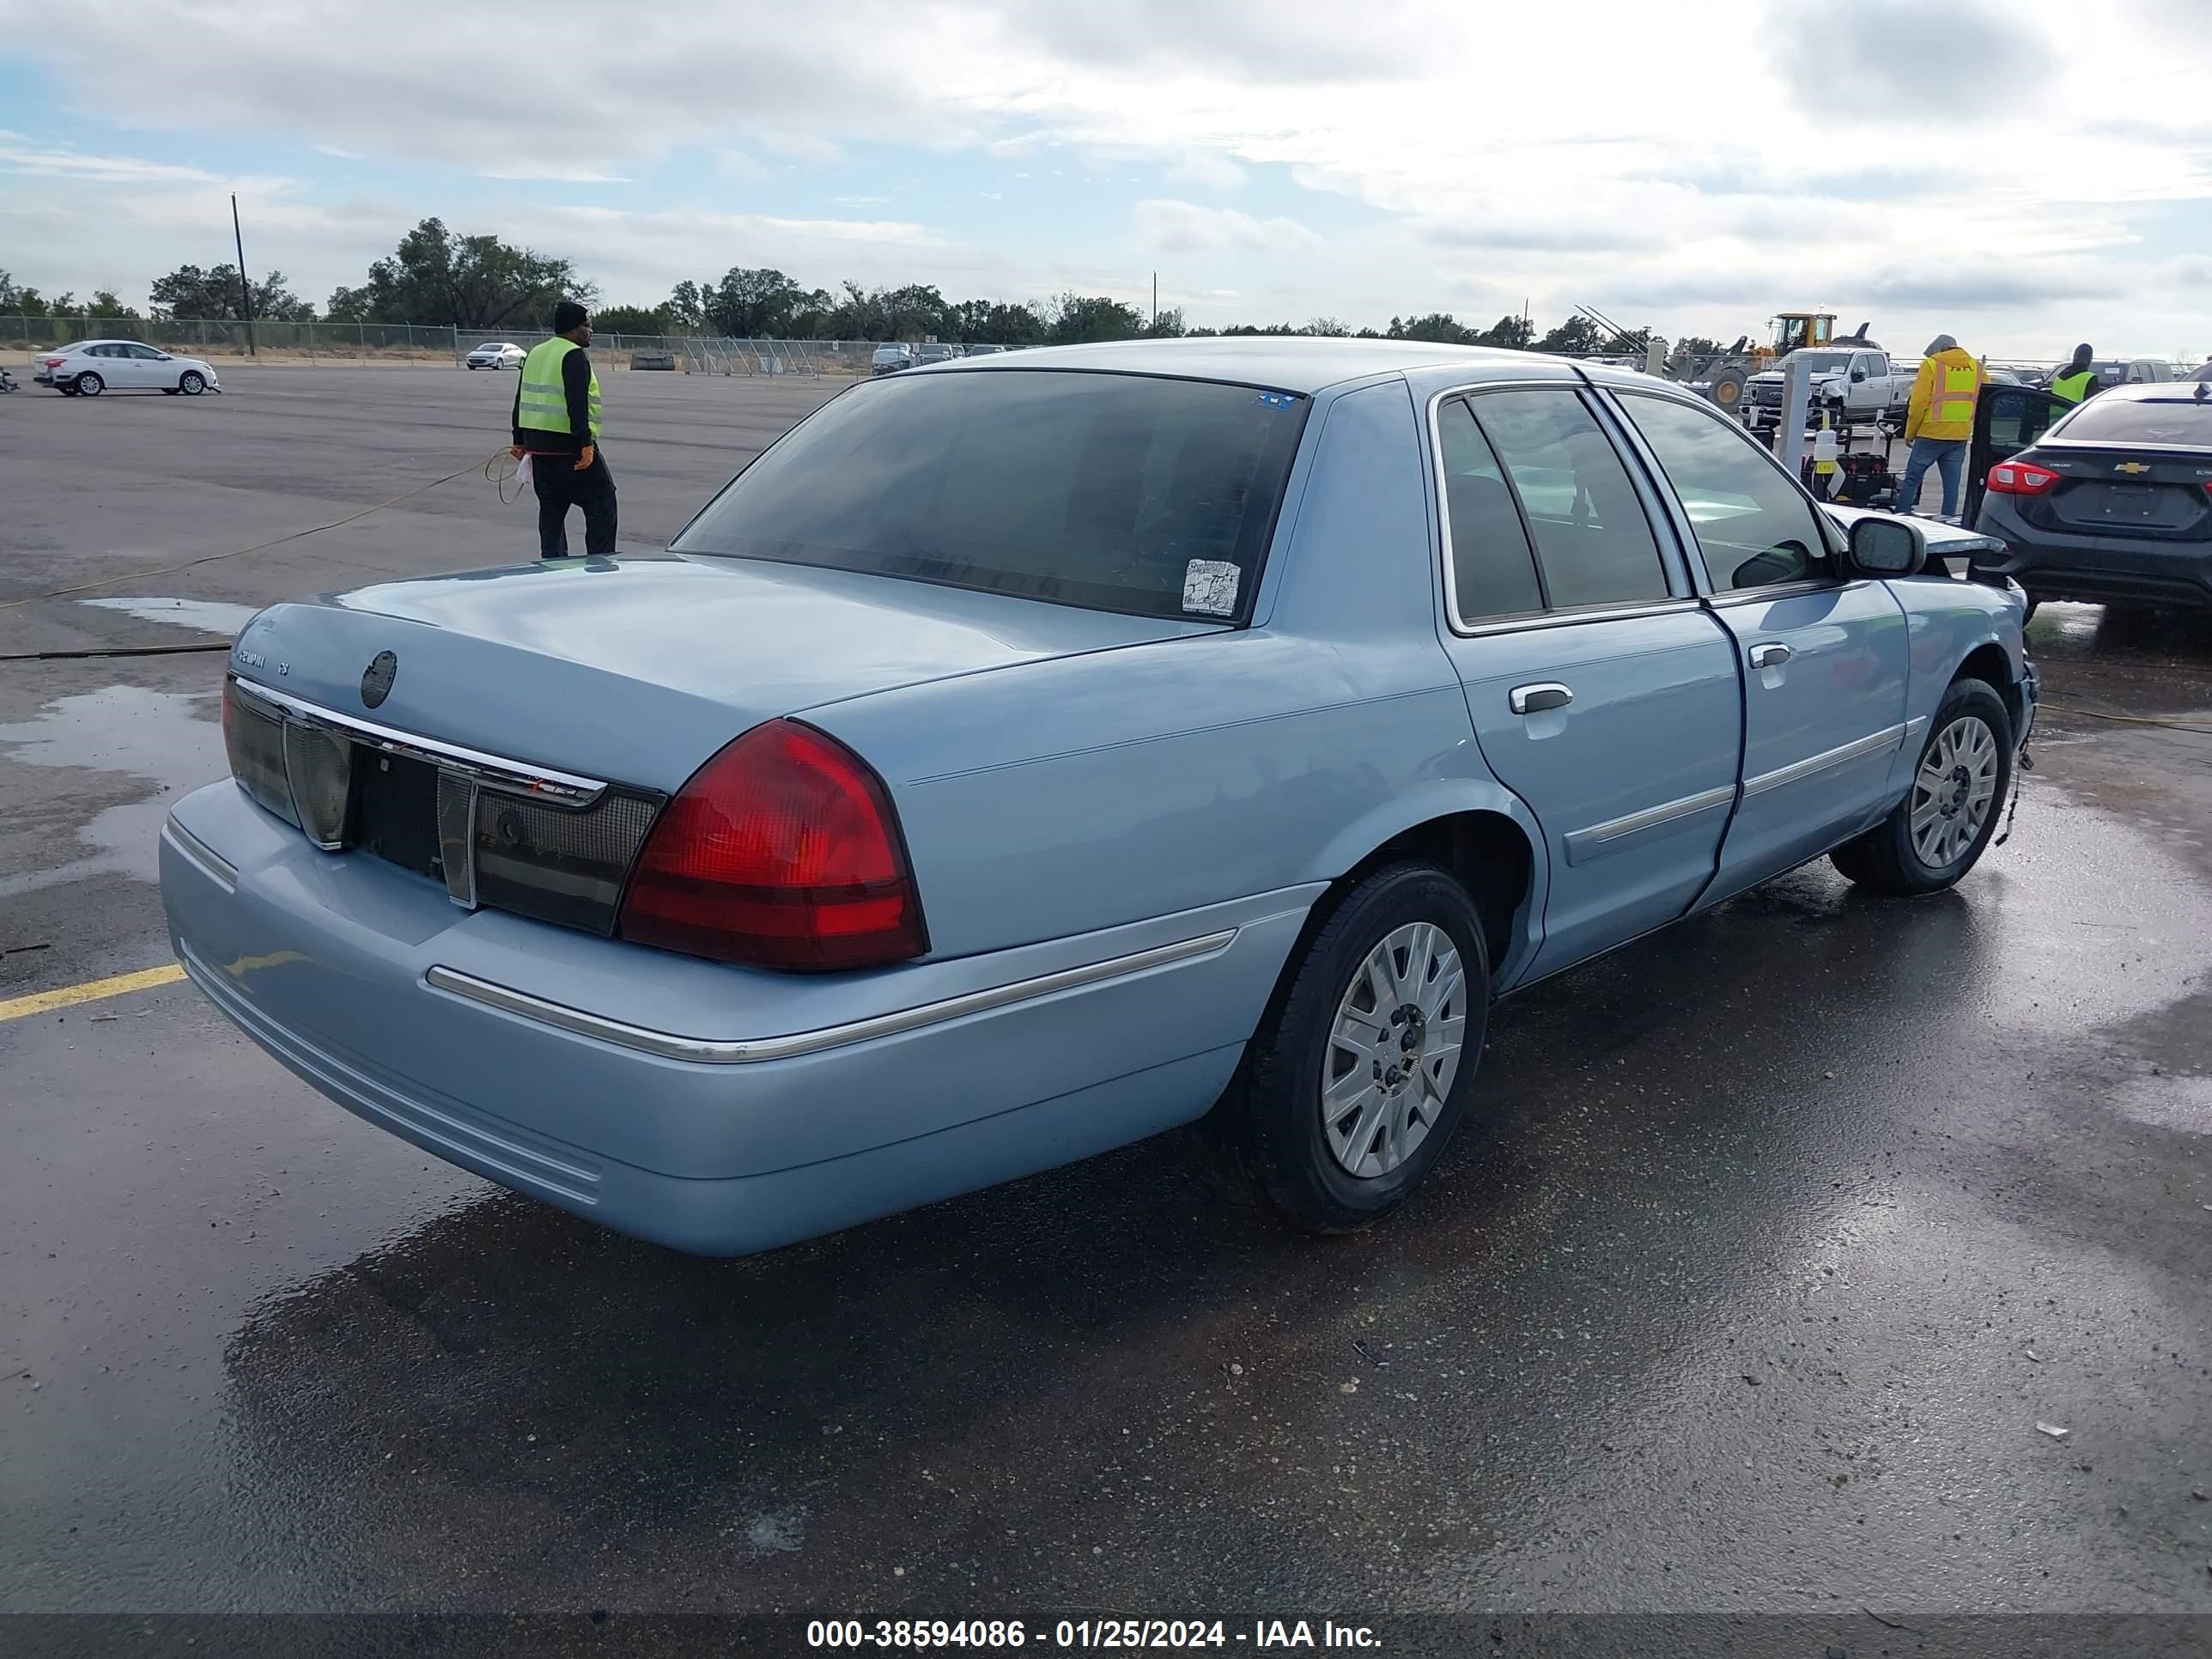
{"type": "Point", "coordinates": [1824, 660]}
{"type": "Point", "coordinates": [1602, 693]}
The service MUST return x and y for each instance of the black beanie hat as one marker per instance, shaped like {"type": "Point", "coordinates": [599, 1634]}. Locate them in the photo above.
{"type": "Point", "coordinates": [569, 316]}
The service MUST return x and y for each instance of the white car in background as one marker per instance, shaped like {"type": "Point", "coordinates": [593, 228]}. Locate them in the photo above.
{"type": "Point", "coordinates": [497, 354]}
{"type": "Point", "coordinates": [92, 367]}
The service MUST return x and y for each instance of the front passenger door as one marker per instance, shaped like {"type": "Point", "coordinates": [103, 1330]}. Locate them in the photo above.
{"type": "Point", "coordinates": [1824, 660]}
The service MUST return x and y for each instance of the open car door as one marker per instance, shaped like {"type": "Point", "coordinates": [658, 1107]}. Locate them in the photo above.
{"type": "Point", "coordinates": [2006, 420]}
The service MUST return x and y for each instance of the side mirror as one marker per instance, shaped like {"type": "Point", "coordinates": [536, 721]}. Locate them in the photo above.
{"type": "Point", "coordinates": [1857, 375]}
{"type": "Point", "coordinates": [1884, 546]}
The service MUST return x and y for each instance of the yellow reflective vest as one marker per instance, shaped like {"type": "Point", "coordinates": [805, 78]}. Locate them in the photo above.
{"type": "Point", "coordinates": [1943, 393]}
{"type": "Point", "coordinates": [543, 403]}
{"type": "Point", "coordinates": [2073, 388]}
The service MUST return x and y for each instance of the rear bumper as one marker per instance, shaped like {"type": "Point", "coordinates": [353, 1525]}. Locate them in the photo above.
{"type": "Point", "coordinates": [325, 961]}
{"type": "Point", "coordinates": [2099, 569]}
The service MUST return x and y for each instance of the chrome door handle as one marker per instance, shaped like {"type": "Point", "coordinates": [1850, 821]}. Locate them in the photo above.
{"type": "Point", "coordinates": [1535, 699]}
{"type": "Point", "coordinates": [1773, 654]}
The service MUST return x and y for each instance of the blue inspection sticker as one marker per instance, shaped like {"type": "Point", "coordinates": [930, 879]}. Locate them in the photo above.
{"type": "Point", "coordinates": [1278, 399]}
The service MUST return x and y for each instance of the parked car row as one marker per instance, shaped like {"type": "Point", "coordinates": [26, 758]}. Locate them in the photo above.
{"type": "Point", "coordinates": [894, 355]}
{"type": "Point", "coordinates": [92, 367]}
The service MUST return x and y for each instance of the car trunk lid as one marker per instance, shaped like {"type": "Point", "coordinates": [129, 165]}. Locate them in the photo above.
{"type": "Point", "coordinates": [2125, 492]}
{"type": "Point", "coordinates": [638, 669]}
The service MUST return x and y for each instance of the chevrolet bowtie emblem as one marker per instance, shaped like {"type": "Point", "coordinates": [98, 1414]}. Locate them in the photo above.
{"type": "Point", "coordinates": [2132, 466]}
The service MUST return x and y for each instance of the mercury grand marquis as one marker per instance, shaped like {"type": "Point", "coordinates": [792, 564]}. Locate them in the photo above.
{"type": "Point", "coordinates": [1028, 755]}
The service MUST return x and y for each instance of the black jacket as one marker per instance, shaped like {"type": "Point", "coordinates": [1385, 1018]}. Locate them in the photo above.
{"type": "Point", "coordinates": [576, 384]}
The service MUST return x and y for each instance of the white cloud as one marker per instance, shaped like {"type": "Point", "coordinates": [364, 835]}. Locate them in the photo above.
{"type": "Point", "coordinates": [1209, 169]}
{"type": "Point", "coordinates": [1721, 163]}
{"type": "Point", "coordinates": [1172, 227]}
{"type": "Point", "coordinates": [54, 163]}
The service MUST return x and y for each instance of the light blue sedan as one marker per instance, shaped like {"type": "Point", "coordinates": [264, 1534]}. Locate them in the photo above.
{"type": "Point", "coordinates": [1031, 754]}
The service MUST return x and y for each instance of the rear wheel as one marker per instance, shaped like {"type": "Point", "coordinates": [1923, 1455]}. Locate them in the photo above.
{"type": "Point", "coordinates": [1940, 829]}
{"type": "Point", "coordinates": [1726, 388]}
{"type": "Point", "coordinates": [89, 384]}
{"type": "Point", "coordinates": [192, 384]}
{"type": "Point", "coordinates": [1361, 1070]}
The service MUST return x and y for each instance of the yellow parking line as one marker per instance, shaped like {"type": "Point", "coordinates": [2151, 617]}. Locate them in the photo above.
{"type": "Point", "coordinates": [92, 990]}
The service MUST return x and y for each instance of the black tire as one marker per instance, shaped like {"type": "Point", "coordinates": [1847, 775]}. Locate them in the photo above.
{"type": "Point", "coordinates": [89, 384]}
{"type": "Point", "coordinates": [1725, 389]}
{"type": "Point", "coordinates": [192, 384]}
{"type": "Point", "coordinates": [66, 391]}
{"type": "Point", "coordinates": [1889, 858]}
{"type": "Point", "coordinates": [1268, 1131]}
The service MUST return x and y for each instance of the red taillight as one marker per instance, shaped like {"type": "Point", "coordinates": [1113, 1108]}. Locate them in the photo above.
{"type": "Point", "coordinates": [56, 362]}
{"type": "Point", "coordinates": [782, 851]}
{"type": "Point", "coordinates": [2021, 478]}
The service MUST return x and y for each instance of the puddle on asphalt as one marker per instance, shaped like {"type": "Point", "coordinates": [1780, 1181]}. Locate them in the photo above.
{"type": "Point", "coordinates": [160, 736]}
{"type": "Point", "coordinates": [2181, 1104]}
{"type": "Point", "coordinates": [207, 616]}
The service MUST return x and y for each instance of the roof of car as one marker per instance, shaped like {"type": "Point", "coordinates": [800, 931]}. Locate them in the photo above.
{"type": "Point", "coordinates": [2152, 392]}
{"type": "Point", "coordinates": [1295, 362]}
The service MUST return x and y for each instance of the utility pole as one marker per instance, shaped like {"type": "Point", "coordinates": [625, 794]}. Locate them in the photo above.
{"type": "Point", "coordinates": [1156, 299]}
{"type": "Point", "coordinates": [245, 287]}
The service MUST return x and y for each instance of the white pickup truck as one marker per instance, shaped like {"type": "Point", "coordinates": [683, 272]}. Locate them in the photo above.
{"type": "Point", "coordinates": [1852, 379]}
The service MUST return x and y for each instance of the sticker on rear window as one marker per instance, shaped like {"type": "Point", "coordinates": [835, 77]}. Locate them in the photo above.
{"type": "Point", "coordinates": [1277, 399]}
{"type": "Point", "coordinates": [1209, 587]}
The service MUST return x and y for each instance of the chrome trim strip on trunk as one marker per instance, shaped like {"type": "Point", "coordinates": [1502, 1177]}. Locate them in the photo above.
{"type": "Point", "coordinates": [212, 863]}
{"type": "Point", "coordinates": [742, 1051]}
{"type": "Point", "coordinates": [1887, 737]}
{"type": "Point", "coordinates": [491, 771]}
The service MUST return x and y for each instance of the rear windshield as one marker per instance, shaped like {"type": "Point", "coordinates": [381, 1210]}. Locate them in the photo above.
{"type": "Point", "coordinates": [2140, 421]}
{"type": "Point", "coordinates": [1115, 492]}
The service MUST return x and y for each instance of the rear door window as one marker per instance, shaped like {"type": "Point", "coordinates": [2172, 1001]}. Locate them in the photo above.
{"type": "Point", "coordinates": [1593, 542]}
{"type": "Point", "coordinates": [1493, 567]}
{"type": "Point", "coordinates": [1115, 492]}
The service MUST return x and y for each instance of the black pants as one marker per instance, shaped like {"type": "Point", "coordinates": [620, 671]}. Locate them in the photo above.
{"type": "Point", "coordinates": [559, 487]}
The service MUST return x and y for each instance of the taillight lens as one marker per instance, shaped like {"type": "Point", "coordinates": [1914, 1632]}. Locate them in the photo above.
{"type": "Point", "coordinates": [2021, 478]}
{"type": "Point", "coordinates": [56, 362]}
{"type": "Point", "coordinates": [782, 851]}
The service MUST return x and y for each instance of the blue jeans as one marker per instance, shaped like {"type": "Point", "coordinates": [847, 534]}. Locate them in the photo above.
{"type": "Point", "coordinates": [1948, 456]}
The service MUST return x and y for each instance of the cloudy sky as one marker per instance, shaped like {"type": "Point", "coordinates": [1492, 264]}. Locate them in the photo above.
{"type": "Point", "coordinates": [2023, 175]}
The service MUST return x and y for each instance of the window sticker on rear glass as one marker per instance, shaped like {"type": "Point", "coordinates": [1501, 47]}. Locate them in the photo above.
{"type": "Point", "coordinates": [1278, 399]}
{"type": "Point", "coordinates": [1209, 587]}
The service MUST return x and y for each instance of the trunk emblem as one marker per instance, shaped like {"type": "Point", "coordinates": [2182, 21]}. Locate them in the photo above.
{"type": "Point", "coordinates": [2132, 466]}
{"type": "Point", "coordinates": [376, 682]}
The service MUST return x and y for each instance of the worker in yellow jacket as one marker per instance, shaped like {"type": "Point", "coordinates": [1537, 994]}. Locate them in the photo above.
{"type": "Point", "coordinates": [1940, 421]}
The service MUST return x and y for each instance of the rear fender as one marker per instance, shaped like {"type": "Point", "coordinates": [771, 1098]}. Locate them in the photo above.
{"type": "Point", "coordinates": [1441, 798]}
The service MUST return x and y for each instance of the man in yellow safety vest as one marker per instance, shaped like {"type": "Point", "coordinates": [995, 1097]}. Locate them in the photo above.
{"type": "Point", "coordinates": [556, 424]}
{"type": "Point", "coordinates": [1939, 420]}
{"type": "Point", "coordinates": [2075, 380]}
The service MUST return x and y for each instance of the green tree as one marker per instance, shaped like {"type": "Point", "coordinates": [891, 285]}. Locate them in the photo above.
{"type": "Point", "coordinates": [687, 308]}
{"type": "Point", "coordinates": [18, 301]}
{"type": "Point", "coordinates": [1075, 319]}
{"type": "Point", "coordinates": [632, 319]}
{"type": "Point", "coordinates": [753, 303]}
{"type": "Point", "coordinates": [189, 291]}
{"type": "Point", "coordinates": [436, 277]}
{"type": "Point", "coordinates": [1575, 335]}
{"type": "Point", "coordinates": [105, 303]}
{"type": "Point", "coordinates": [1440, 327]}
{"type": "Point", "coordinates": [1691, 347]}
{"type": "Point", "coordinates": [1326, 327]}
{"type": "Point", "coordinates": [1511, 332]}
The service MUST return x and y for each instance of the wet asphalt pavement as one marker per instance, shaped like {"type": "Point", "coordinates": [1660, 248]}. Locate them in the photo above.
{"type": "Point", "coordinates": [1784, 1232]}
